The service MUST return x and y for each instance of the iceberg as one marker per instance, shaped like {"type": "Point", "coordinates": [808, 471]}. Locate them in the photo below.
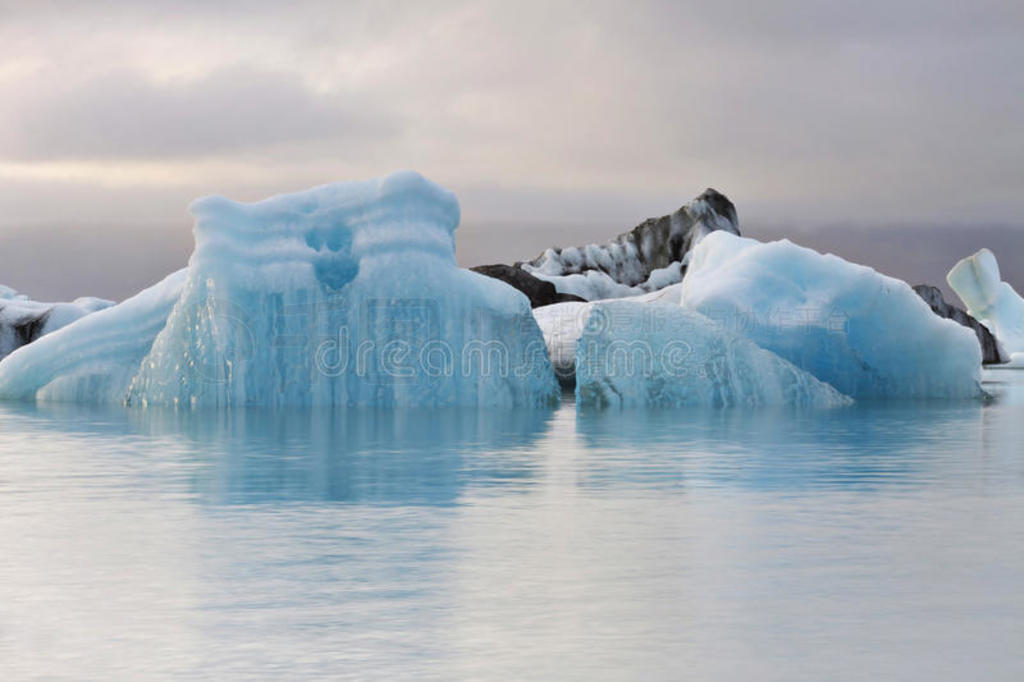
{"type": "Point", "coordinates": [344, 294]}
{"type": "Point", "coordinates": [22, 320]}
{"type": "Point", "coordinates": [649, 354]}
{"type": "Point", "coordinates": [994, 303]}
{"type": "Point", "coordinates": [866, 334]}
{"type": "Point", "coordinates": [94, 359]}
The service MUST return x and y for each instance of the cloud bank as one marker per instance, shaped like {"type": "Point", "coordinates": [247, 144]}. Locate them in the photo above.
{"type": "Point", "coordinates": [118, 112]}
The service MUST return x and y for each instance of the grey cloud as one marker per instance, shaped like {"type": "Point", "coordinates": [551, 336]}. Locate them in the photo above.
{"type": "Point", "coordinates": [123, 115]}
{"type": "Point", "coordinates": [800, 109]}
{"type": "Point", "coordinates": [813, 23]}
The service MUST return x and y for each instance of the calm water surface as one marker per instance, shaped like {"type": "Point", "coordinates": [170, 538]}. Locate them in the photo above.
{"type": "Point", "coordinates": [868, 543]}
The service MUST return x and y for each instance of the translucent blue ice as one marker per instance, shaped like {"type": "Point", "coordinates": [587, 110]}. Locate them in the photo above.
{"type": "Point", "coordinates": [866, 334]}
{"type": "Point", "coordinates": [636, 354]}
{"type": "Point", "coordinates": [345, 294]}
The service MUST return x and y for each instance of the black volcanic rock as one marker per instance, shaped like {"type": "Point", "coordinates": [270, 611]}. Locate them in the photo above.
{"type": "Point", "coordinates": [20, 329]}
{"type": "Point", "coordinates": [626, 262]}
{"type": "Point", "coordinates": [655, 243]}
{"type": "Point", "coordinates": [539, 291]}
{"type": "Point", "coordinates": [990, 351]}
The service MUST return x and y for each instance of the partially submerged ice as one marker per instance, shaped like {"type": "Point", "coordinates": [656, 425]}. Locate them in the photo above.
{"type": "Point", "coordinates": [640, 354]}
{"type": "Point", "coordinates": [994, 303]}
{"type": "Point", "coordinates": [868, 335]}
{"type": "Point", "coordinates": [345, 294]}
{"type": "Point", "coordinates": [95, 359]}
{"type": "Point", "coordinates": [23, 320]}
{"type": "Point", "coordinates": [348, 294]}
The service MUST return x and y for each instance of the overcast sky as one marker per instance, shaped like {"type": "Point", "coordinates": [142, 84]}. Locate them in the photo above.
{"type": "Point", "coordinates": [113, 115]}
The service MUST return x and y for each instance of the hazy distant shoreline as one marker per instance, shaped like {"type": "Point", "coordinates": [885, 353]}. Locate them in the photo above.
{"type": "Point", "coordinates": [48, 263]}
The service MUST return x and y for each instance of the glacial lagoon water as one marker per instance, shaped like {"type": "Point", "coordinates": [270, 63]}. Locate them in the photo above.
{"type": "Point", "coordinates": [876, 542]}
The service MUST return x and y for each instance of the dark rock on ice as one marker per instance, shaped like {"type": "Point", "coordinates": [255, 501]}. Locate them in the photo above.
{"type": "Point", "coordinates": [539, 291]}
{"type": "Point", "coordinates": [991, 353]}
{"type": "Point", "coordinates": [649, 257]}
{"type": "Point", "coordinates": [22, 321]}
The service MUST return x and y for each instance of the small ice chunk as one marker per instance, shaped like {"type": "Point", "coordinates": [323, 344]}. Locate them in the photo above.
{"type": "Point", "coordinates": [994, 303]}
{"type": "Point", "coordinates": [23, 321]}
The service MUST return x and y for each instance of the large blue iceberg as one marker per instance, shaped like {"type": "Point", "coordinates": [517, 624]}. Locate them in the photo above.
{"type": "Point", "coordinates": [868, 335]}
{"type": "Point", "coordinates": [345, 294]}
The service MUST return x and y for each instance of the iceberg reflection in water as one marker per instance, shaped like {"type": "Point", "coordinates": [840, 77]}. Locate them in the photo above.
{"type": "Point", "coordinates": [838, 544]}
